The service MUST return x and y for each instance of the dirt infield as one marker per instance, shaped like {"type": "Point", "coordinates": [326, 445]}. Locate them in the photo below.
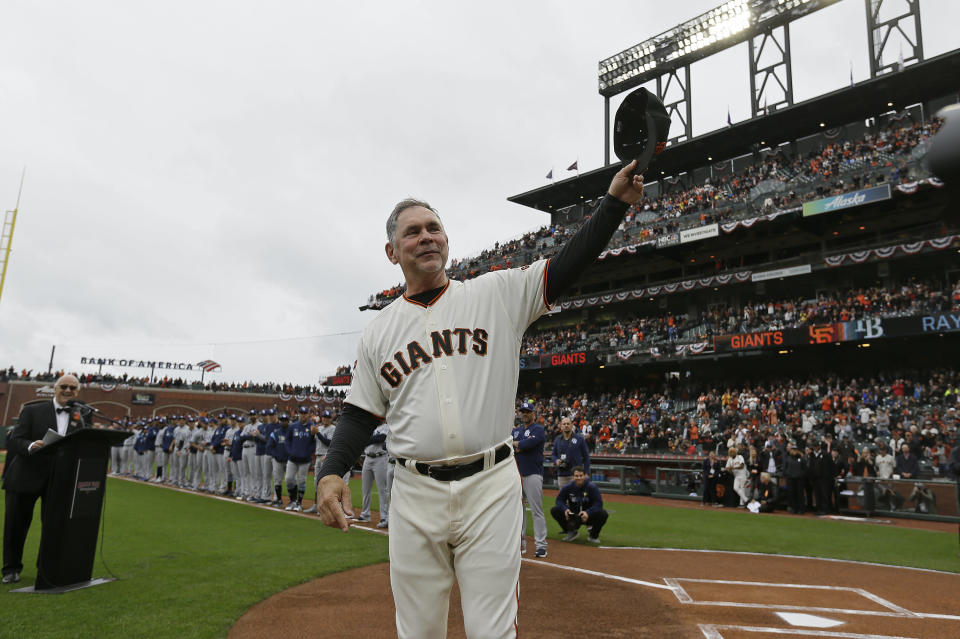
{"type": "Point", "coordinates": [622, 592]}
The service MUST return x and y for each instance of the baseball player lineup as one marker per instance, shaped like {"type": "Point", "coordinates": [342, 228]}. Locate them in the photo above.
{"type": "Point", "coordinates": [251, 457]}
{"type": "Point", "coordinates": [227, 454]}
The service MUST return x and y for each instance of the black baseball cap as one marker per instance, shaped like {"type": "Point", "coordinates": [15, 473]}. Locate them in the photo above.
{"type": "Point", "coordinates": [640, 128]}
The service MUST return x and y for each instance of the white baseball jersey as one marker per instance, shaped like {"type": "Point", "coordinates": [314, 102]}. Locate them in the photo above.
{"type": "Point", "coordinates": [444, 374]}
{"type": "Point", "coordinates": [326, 431]}
{"type": "Point", "coordinates": [248, 429]}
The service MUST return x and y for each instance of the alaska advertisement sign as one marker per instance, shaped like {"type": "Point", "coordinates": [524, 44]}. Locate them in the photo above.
{"type": "Point", "coordinates": [846, 200]}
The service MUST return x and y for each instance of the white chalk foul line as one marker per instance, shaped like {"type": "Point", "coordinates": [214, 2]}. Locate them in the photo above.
{"type": "Point", "coordinates": [712, 631]}
{"type": "Point", "coordinates": [779, 556]}
{"type": "Point", "coordinates": [595, 573]}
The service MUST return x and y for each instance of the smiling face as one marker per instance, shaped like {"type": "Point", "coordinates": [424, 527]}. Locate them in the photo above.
{"type": "Point", "coordinates": [420, 248]}
{"type": "Point", "coordinates": [66, 388]}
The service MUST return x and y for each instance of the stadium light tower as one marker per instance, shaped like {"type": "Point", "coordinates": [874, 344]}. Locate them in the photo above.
{"type": "Point", "coordinates": [907, 24]}
{"type": "Point", "coordinates": [765, 26]}
{"type": "Point", "coordinates": [6, 239]}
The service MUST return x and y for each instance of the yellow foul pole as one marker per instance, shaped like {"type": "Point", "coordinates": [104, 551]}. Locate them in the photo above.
{"type": "Point", "coordinates": [6, 240]}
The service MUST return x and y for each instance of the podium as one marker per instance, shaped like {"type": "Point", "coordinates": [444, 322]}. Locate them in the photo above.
{"type": "Point", "coordinates": [72, 507]}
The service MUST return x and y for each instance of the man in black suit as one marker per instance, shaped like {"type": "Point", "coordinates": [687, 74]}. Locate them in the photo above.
{"type": "Point", "coordinates": [27, 471]}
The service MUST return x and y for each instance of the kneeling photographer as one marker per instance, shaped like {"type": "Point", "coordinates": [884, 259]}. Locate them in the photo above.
{"type": "Point", "coordinates": [580, 503]}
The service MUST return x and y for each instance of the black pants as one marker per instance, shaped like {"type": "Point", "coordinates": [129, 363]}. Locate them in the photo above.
{"type": "Point", "coordinates": [595, 521]}
{"type": "Point", "coordinates": [18, 514]}
{"type": "Point", "coordinates": [826, 496]}
{"type": "Point", "coordinates": [795, 491]}
{"type": "Point", "coordinates": [709, 491]}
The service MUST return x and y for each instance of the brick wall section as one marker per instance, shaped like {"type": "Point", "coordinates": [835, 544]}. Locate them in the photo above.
{"type": "Point", "coordinates": [167, 401]}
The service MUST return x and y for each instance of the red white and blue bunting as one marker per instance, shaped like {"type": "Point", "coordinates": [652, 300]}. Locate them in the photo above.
{"type": "Point", "coordinates": [886, 252]}
{"type": "Point", "coordinates": [662, 289]}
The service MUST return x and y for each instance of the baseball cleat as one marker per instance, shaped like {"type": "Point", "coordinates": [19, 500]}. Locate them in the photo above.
{"type": "Point", "coordinates": [361, 519]}
{"type": "Point", "coordinates": [383, 524]}
{"type": "Point", "coordinates": [297, 508]}
{"type": "Point", "coordinates": [11, 578]}
{"type": "Point", "coordinates": [593, 540]}
{"type": "Point", "coordinates": [541, 553]}
{"type": "Point", "coordinates": [311, 509]}
{"type": "Point", "coordinates": [290, 505]}
{"type": "Point", "coordinates": [570, 536]}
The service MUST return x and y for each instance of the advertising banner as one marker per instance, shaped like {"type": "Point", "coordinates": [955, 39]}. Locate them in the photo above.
{"type": "Point", "coordinates": [781, 272]}
{"type": "Point", "coordinates": [784, 338]}
{"type": "Point", "coordinates": [577, 358]}
{"type": "Point", "coordinates": [699, 233]}
{"type": "Point", "coordinates": [670, 239]}
{"type": "Point", "coordinates": [846, 200]}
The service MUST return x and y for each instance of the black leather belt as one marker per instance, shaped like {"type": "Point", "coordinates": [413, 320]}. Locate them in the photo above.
{"type": "Point", "coordinates": [447, 472]}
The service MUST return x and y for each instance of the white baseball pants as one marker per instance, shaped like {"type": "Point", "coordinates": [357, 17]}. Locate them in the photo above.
{"type": "Point", "coordinates": [463, 529]}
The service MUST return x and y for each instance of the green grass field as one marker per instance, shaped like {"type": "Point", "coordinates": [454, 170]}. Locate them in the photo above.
{"type": "Point", "coordinates": [189, 566]}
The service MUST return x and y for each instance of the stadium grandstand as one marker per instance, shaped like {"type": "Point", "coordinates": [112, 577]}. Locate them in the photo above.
{"type": "Point", "coordinates": [783, 277]}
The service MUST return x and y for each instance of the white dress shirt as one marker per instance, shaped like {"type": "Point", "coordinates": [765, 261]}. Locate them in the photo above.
{"type": "Point", "coordinates": [63, 419]}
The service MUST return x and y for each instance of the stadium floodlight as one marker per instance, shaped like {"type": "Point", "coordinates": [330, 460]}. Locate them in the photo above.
{"type": "Point", "coordinates": [728, 24]}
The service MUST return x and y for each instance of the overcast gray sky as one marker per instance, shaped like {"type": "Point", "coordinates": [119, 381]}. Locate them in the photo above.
{"type": "Point", "coordinates": [209, 180]}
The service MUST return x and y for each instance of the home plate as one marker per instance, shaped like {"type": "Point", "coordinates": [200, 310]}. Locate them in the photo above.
{"type": "Point", "coordinates": [808, 621]}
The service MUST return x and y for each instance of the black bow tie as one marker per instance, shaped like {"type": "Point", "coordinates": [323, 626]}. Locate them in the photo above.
{"type": "Point", "coordinates": [63, 410]}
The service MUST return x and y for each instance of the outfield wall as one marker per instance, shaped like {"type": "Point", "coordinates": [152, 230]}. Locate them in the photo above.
{"type": "Point", "coordinates": [118, 401]}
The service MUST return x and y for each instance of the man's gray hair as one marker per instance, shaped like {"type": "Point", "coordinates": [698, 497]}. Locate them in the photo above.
{"type": "Point", "coordinates": [402, 206]}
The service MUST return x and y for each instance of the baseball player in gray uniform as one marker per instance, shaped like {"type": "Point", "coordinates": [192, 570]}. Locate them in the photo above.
{"type": "Point", "coordinates": [224, 468]}
{"type": "Point", "coordinates": [129, 456]}
{"type": "Point", "coordinates": [180, 452]}
{"type": "Point", "coordinates": [324, 434]}
{"type": "Point", "coordinates": [266, 461]}
{"type": "Point", "coordinates": [208, 466]}
{"type": "Point", "coordinates": [250, 466]}
{"type": "Point", "coordinates": [376, 469]}
{"type": "Point", "coordinates": [440, 364]}
{"type": "Point", "coordinates": [160, 455]}
{"type": "Point", "coordinates": [195, 460]}
{"type": "Point", "coordinates": [116, 459]}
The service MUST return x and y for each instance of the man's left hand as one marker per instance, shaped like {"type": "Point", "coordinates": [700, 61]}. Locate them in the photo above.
{"type": "Point", "coordinates": [583, 516]}
{"type": "Point", "coordinates": [625, 186]}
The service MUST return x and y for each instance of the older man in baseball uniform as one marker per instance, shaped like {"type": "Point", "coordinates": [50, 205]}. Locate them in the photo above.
{"type": "Point", "coordinates": [440, 365]}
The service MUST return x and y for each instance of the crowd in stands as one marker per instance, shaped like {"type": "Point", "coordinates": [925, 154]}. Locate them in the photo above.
{"type": "Point", "coordinates": [776, 182]}
{"type": "Point", "coordinates": [908, 298]}
{"type": "Point", "coordinates": [11, 374]}
{"type": "Point", "coordinates": [862, 418]}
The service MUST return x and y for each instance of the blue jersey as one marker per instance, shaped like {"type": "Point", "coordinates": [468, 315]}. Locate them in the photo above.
{"type": "Point", "coordinates": [586, 497]}
{"type": "Point", "coordinates": [217, 440]}
{"type": "Point", "coordinates": [277, 443]}
{"type": "Point", "coordinates": [300, 442]}
{"type": "Point", "coordinates": [149, 439]}
{"type": "Point", "coordinates": [236, 446]}
{"type": "Point", "coordinates": [568, 453]}
{"type": "Point", "coordinates": [529, 455]}
{"type": "Point", "coordinates": [264, 429]}
{"type": "Point", "coordinates": [167, 442]}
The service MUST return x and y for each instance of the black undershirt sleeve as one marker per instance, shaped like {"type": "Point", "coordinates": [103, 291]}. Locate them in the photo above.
{"type": "Point", "coordinates": [584, 247]}
{"type": "Point", "coordinates": [354, 428]}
